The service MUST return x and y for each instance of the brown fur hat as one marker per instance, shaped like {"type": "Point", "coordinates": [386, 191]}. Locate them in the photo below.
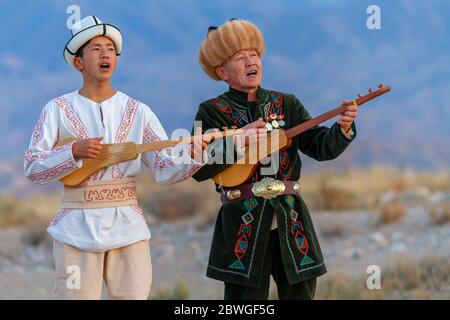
{"type": "Point", "coordinates": [223, 42]}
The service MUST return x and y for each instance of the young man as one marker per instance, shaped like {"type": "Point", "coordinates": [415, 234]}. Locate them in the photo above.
{"type": "Point", "coordinates": [257, 236]}
{"type": "Point", "coordinates": [100, 232]}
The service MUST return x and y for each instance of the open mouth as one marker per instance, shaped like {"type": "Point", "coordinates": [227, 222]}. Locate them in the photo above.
{"type": "Point", "coordinates": [105, 66]}
{"type": "Point", "coordinates": [252, 73]}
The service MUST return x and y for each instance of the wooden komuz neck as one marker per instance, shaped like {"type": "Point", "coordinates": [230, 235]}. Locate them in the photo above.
{"type": "Point", "coordinates": [295, 131]}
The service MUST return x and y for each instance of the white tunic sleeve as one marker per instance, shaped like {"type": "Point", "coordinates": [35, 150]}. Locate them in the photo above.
{"type": "Point", "coordinates": [169, 165]}
{"type": "Point", "coordinates": [43, 162]}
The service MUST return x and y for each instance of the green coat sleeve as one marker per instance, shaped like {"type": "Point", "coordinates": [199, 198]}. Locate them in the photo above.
{"type": "Point", "coordinates": [320, 142]}
{"type": "Point", "coordinates": [216, 149]}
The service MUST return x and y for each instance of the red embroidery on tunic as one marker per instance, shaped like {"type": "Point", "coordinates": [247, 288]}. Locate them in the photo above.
{"type": "Point", "coordinates": [61, 214]}
{"type": "Point", "coordinates": [43, 155]}
{"type": "Point", "coordinates": [74, 121]}
{"type": "Point", "coordinates": [28, 158]}
{"type": "Point", "coordinates": [38, 130]}
{"type": "Point", "coordinates": [123, 131]}
{"type": "Point", "coordinates": [96, 176]}
{"type": "Point", "coordinates": [161, 164]}
{"type": "Point", "coordinates": [117, 173]}
{"type": "Point", "coordinates": [54, 172]}
{"type": "Point", "coordinates": [138, 210]}
{"type": "Point", "coordinates": [149, 134]}
{"type": "Point", "coordinates": [127, 120]}
{"type": "Point", "coordinates": [190, 173]}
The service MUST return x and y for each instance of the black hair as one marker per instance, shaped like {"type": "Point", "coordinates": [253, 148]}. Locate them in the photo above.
{"type": "Point", "coordinates": [80, 51]}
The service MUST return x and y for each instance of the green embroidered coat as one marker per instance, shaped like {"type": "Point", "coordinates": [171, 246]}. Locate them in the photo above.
{"type": "Point", "coordinates": [242, 229]}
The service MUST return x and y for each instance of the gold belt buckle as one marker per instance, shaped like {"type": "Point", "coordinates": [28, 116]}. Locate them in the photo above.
{"type": "Point", "coordinates": [268, 188]}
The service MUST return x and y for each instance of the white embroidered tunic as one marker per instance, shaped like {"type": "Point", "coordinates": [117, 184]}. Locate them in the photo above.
{"type": "Point", "coordinates": [118, 119]}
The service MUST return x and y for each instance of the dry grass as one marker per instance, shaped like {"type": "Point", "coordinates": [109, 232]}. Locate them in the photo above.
{"type": "Point", "coordinates": [13, 214]}
{"type": "Point", "coordinates": [428, 278]}
{"type": "Point", "coordinates": [403, 278]}
{"type": "Point", "coordinates": [344, 190]}
{"type": "Point", "coordinates": [340, 287]}
{"type": "Point", "coordinates": [332, 227]}
{"type": "Point", "coordinates": [360, 188]}
{"type": "Point", "coordinates": [391, 213]}
{"type": "Point", "coordinates": [35, 210]}
{"type": "Point", "coordinates": [336, 197]}
{"type": "Point", "coordinates": [189, 199]}
{"type": "Point", "coordinates": [179, 292]}
{"type": "Point", "coordinates": [185, 200]}
{"type": "Point", "coordinates": [440, 213]}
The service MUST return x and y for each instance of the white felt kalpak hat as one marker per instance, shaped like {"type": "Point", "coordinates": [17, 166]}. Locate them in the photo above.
{"type": "Point", "coordinates": [87, 29]}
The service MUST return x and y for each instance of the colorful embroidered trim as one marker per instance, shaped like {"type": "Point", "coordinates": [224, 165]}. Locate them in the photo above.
{"type": "Point", "coordinates": [124, 128]}
{"type": "Point", "coordinates": [299, 233]}
{"type": "Point", "coordinates": [239, 117]}
{"type": "Point", "coordinates": [75, 122]}
{"type": "Point", "coordinates": [38, 130]}
{"type": "Point", "coordinates": [244, 233]}
{"type": "Point", "coordinates": [285, 171]}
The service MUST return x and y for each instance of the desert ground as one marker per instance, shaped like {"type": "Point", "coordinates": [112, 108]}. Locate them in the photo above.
{"type": "Point", "coordinates": [398, 220]}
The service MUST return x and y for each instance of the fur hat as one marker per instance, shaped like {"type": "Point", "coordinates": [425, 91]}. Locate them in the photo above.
{"type": "Point", "coordinates": [87, 29]}
{"type": "Point", "coordinates": [223, 42]}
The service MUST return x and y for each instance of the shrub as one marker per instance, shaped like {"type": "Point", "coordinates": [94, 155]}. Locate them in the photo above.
{"type": "Point", "coordinates": [440, 213]}
{"type": "Point", "coordinates": [391, 213]}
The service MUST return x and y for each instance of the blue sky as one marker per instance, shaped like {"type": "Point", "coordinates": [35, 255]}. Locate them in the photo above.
{"type": "Point", "coordinates": [320, 51]}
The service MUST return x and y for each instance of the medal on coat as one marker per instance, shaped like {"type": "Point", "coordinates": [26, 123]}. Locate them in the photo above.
{"type": "Point", "coordinates": [280, 120]}
{"type": "Point", "coordinates": [274, 121]}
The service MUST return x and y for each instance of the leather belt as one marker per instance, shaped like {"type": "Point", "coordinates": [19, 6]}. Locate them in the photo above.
{"type": "Point", "coordinates": [267, 188]}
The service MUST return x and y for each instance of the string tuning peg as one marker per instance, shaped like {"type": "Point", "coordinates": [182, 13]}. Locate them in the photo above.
{"type": "Point", "coordinates": [380, 86]}
{"type": "Point", "coordinates": [370, 90]}
{"type": "Point", "coordinates": [359, 96]}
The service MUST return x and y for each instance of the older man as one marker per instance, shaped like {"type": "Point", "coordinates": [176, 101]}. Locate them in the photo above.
{"type": "Point", "coordinates": [256, 237]}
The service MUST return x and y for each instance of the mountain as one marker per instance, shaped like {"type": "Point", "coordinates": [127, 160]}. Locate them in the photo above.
{"type": "Point", "coordinates": [321, 51]}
